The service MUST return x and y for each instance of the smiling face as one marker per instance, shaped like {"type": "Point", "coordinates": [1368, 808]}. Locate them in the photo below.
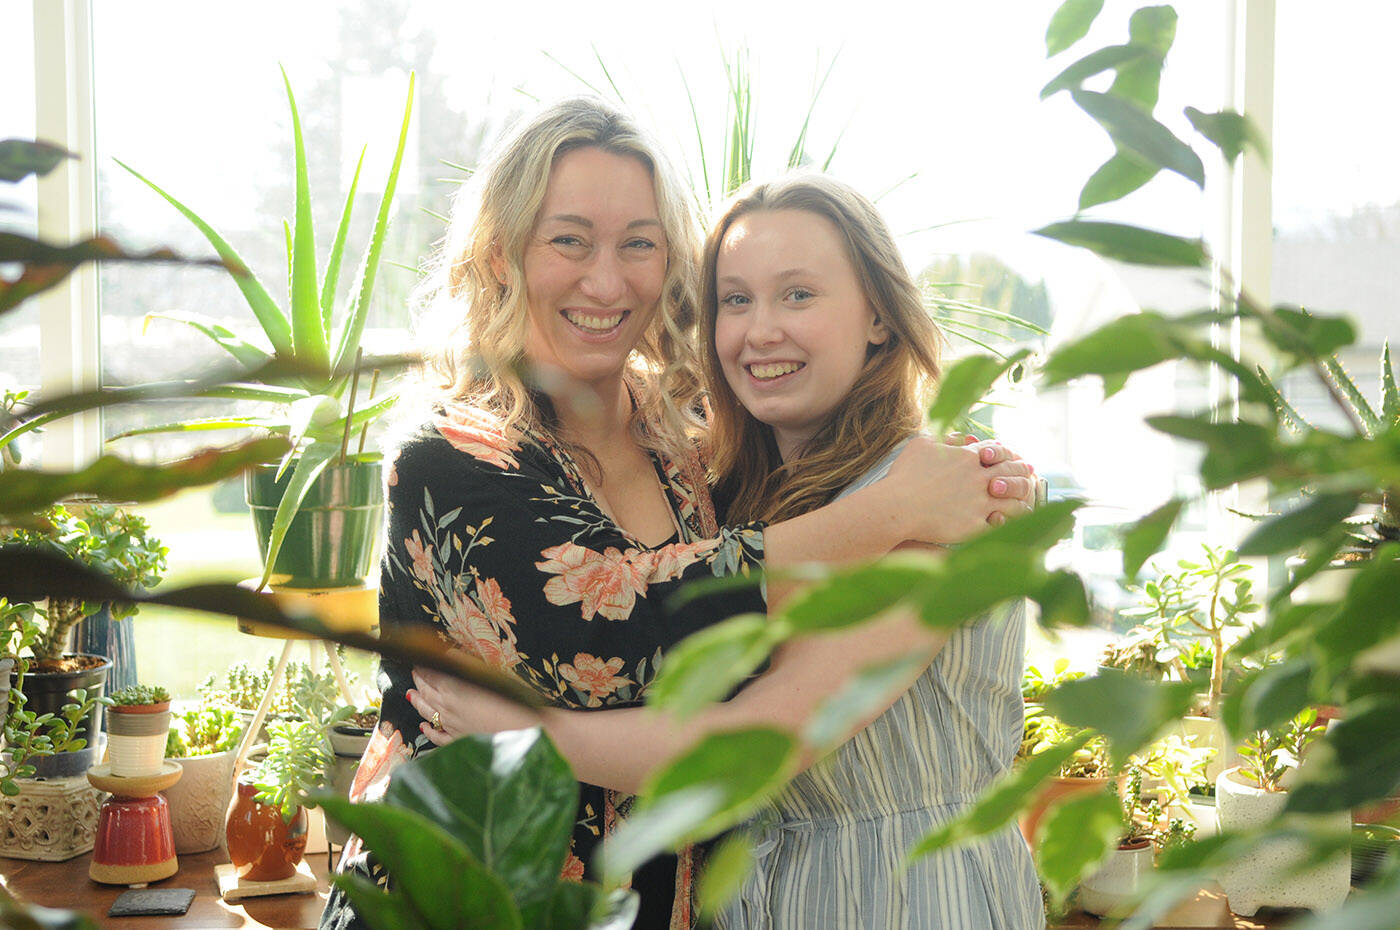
{"type": "Point", "coordinates": [594, 264]}
{"type": "Point", "coordinates": [793, 324]}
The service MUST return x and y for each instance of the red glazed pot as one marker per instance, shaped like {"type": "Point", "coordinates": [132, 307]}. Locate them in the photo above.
{"type": "Point", "coordinates": [261, 845]}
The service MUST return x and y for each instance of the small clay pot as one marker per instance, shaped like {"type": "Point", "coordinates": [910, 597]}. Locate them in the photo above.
{"type": "Point", "coordinates": [261, 845]}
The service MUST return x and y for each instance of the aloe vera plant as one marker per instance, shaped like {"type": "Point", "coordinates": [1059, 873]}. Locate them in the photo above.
{"type": "Point", "coordinates": [315, 411]}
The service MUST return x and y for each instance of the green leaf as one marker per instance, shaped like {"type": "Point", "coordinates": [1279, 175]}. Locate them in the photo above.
{"type": "Point", "coordinates": [869, 690]}
{"type": "Point", "coordinates": [1131, 244]}
{"type": "Point", "coordinates": [713, 786]}
{"type": "Point", "coordinates": [1062, 600]}
{"type": "Point", "coordinates": [1369, 615]}
{"type": "Point", "coordinates": [1234, 451]}
{"type": "Point", "coordinates": [418, 852]}
{"type": "Point", "coordinates": [1356, 761]}
{"type": "Point", "coordinates": [1287, 532]}
{"type": "Point", "coordinates": [379, 910]}
{"type": "Point", "coordinates": [1152, 27]}
{"type": "Point", "coordinates": [1075, 836]}
{"type": "Point", "coordinates": [359, 311]}
{"type": "Point", "coordinates": [981, 579]}
{"type": "Point", "coordinates": [726, 867]}
{"type": "Point", "coordinates": [269, 315]}
{"type": "Point", "coordinates": [204, 425]}
{"type": "Point", "coordinates": [509, 798]}
{"type": "Point", "coordinates": [1116, 178]}
{"type": "Point", "coordinates": [1127, 709]}
{"type": "Point", "coordinates": [1270, 696]}
{"type": "Point", "coordinates": [1001, 802]}
{"type": "Point", "coordinates": [1304, 334]}
{"type": "Point", "coordinates": [1374, 910]}
{"type": "Point", "coordinates": [850, 595]}
{"type": "Point", "coordinates": [20, 158]}
{"type": "Point", "coordinates": [1124, 345]}
{"type": "Point", "coordinates": [1069, 24]}
{"type": "Point", "coordinates": [331, 282]}
{"type": "Point", "coordinates": [241, 349]}
{"type": "Point", "coordinates": [333, 430]}
{"type": "Point", "coordinates": [618, 911]}
{"type": "Point", "coordinates": [308, 334]}
{"type": "Point", "coordinates": [1137, 132]}
{"type": "Point", "coordinates": [1147, 536]}
{"type": "Point", "coordinates": [1362, 407]}
{"type": "Point", "coordinates": [1094, 63]}
{"type": "Point", "coordinates": [1231, 132]}
{"type": "Point", "coordinates": [23, 491]}
{"type": "Point", "coordinates": [1040, 529]}
{"type": "Point", "coordinates": [964, 384]}
{"type": "Point", "coordinates": [705, 666]}
{"type": "Point", "coordinates": [309, 465]}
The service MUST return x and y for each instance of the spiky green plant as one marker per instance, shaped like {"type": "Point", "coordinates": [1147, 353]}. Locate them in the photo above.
{"type": "Point", "coordinates": [317, 410]}
{"type": "Point", "coordinates": [1367, 532]}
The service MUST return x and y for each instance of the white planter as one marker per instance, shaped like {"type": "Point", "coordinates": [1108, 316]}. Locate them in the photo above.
{"type": "Point", "coordinates": [136, 739]}
{"type": "Point", "coordinates": [1198, 811]}
{"type": "Point", "coordinates": [199, 801]}
{"type": "Point", "coordinates": [1209, 733]}
{"type": "Point", "coordinates": [1112, 890]}
{"type": "Point", "coordinates": [1269, 877]}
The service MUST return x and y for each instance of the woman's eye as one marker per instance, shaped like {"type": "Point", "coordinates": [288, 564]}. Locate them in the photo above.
{"type": "Point", "coordinates": [566, 241]}
{"type": "Point", "coordinates": [640, 244]}
{"type": "Point", "coordinates": [800, 294]}
{"type": "Point", "coordinates": [735, 300]}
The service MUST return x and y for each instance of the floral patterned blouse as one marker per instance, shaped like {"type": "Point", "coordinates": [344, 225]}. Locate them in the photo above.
{"type": "Point", "coordinates": [495, 541]}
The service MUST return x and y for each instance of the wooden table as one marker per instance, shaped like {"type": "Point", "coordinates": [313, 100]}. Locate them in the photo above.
{"type": "Point", "coordinates": [66, 885]}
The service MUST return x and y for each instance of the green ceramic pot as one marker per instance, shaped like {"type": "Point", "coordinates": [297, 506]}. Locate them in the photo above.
{"type": "Point", "coordinates": [332, 539]}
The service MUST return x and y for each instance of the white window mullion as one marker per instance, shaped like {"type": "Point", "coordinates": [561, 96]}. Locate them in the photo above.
{"type": "Point", "coordinates": [69, 348]}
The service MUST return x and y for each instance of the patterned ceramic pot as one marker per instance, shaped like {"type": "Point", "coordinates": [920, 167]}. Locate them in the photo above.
{"type": "Point", "coordinates": [136, 735]}
{"type": "Point", "coordinates": [199, 801]}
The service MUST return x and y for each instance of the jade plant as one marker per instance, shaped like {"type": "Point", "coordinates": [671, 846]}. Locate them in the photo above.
{"type": "Point", "coordinates": [1269, 754]}
{"type": "Point", "coordinates": [113, 541]}
{"type": "Point", "coordinates": [317, 409]}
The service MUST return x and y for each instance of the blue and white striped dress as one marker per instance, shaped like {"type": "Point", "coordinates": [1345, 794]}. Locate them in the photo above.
{"type": "Point", "coordinates": [830, 850]}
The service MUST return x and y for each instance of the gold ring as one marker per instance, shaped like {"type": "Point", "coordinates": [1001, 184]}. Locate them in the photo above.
{"type": "Point", "coordinates": [435, 721]}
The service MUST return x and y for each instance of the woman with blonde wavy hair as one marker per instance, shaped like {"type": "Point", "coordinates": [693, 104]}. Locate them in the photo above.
{"type": "Point", "coordinates": [553, 498]}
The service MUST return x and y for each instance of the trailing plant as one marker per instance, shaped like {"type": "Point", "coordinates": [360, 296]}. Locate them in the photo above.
{"type": "Point", "coordinates": [113, 541]}
{"type": "Point", "coordinates": [203, 730]}
{"type": "Point", "coordinates": [1269, 754]}
{"type": "Point", "coordinates": [29, 735]}
{"type": "Point", "coordinates": [320, 408]}
{"type": "Point", "coordinates": [137, 696]}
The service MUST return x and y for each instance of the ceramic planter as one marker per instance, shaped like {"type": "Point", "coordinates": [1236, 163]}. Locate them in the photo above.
{"type": "Point", "coordinates": [1198, 810]}
{"type": "Point", "coordinates": [1051, 792]}
{"type": "Point", "coordinates": [47, 692]}
{"type": "Point", "coordinates": [136, 735]}
{"type": "Point", "coordinates": [1112, 890]}
{"type": "Point", "coordinates": [1270, 876]}
{"type": "Point", "coordinates": [1208, 733]}
{"type": "Point", "coordinates": [331, 541]}
{"type": "Point", "coordinates": [199, 801]}
{"type": "Point", "coordinates": [261, 845]}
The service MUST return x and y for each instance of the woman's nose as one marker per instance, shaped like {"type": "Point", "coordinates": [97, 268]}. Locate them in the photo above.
{"type": "Point", "coordinates": [764, 327]}
{"type": "Point", "coordinates": [603, 281]}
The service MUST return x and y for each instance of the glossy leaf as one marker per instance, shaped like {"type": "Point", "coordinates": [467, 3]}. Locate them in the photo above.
{"type": "Point", "coordinates": [1094, 63]}
{"type": "Point", "coordinates": [43, 265]}
{"type": "Point", "coordinates": [309, 465]}
{"type": "Point", "coordinates": [1147, 536]}
{"type": "Point", "coordinates": [510, 798]}
{"type": "Point", "coordinates": [1127, 344]}
{"type": "Point", "coordinates": [1062, 600]}
{"type": "Point", "coordinates": [1357, 760]}
{"type": "Point", "coordinates": [850, 595]}
{"type": "Point", "coordinates": [1152, 27]}
{"type": "Point", "coordinates": [269, 315]}
{"type": "Point", "coordinates": [1390, 394]}
{"type": "Point", "coordinates": [1075, 836]}
{"type": "Point", "coordinates": [20, 158]}
{"type": "Point", "coordinates": [1270, 696]}
{"type": "Point", "coordinates": [1234, 451]}
{"type": "Point", "coordinates": [982, 578]}
{"type": "Point", "coordinates": [1304, 334]}
{"type": "Point", "coordinates": [1133, 130]}
{"type": "Point", "coordinates": [418, 852]}
{"type": "Point", "coordinates": [706, 666]}
{"type": "Point", "coordinates": [1116, 178]}
{"type": "Point", "coordinates": [1231, 132]}
{"type": "Point", "coordinates": [712, 786]}
{"type": "Point", "coordinates": [1289, 531]}
{"type": "Point", "coordinates": [1369, 615]}
{"type": "Point", "coordinates": [1001, 802]}
{"type": "Point", "coordinates": [1130, 244]}
{"type": "Point", "coordinates": [1127, 709]}
{"type": "Point", "coordinates": [331, 282]}
{"type": "Point", "coordinates": [1040, 529]}
{"type": "Point", "coordinates": [726, 867]}
{"type": "Point", "coordinates": [964, 384]}
{"type": "Point", "coordinates": [1069, 24]}
{"type": "Point", "coordinates": [24, 491]}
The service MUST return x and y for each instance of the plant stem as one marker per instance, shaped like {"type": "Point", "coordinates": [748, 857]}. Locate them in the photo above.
{"type": "Point", "coordinates": [373, 383]}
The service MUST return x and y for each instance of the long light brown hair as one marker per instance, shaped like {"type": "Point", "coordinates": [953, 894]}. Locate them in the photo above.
{"type": "Point", "coordinates": [884, 405]}
{"type": "Point", "coordinates": [480, 359]}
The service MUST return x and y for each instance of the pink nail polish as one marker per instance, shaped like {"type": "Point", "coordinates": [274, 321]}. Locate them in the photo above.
{"type": "Point", "coordinates": [998, 486]}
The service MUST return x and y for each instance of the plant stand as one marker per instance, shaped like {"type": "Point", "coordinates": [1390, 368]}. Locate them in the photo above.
{"type": "Point", "coordinates": [50, 820]}
{"type": "Point", "coordinates": [352, 608]}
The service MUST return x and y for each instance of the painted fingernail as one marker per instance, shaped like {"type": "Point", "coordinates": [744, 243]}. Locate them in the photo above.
{"type": "Point", "coordinates": [410, 695]}
{"type": "Point", "coordinates": [998, 486]}
{"type": "Point", "coordinates": [997, 519]}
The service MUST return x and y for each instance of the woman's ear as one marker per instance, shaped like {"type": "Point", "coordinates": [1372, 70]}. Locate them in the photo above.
{"type": "Point", "coordinates": [497, 261]}
{"type": "Point", "coordinates": [877, 334]}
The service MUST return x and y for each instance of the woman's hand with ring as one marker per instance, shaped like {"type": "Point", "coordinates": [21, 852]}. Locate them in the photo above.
{"type": "Point", "coordinates": [451, 708]}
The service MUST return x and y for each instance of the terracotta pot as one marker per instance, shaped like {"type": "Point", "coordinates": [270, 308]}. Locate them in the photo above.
{"type": "Point", "coordinates": [1053, 791]}
{"type": "Point", "coordinates": [261, 845]}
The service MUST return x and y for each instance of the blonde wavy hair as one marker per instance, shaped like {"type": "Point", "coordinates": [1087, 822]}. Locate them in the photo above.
{"type": "Point", "coordinates": [884, 406]}
{"type": "Point", "coordinates": [476, 357]}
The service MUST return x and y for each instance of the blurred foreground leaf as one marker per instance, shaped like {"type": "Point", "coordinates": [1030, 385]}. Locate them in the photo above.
{"type": "Point", "coordinates": [1127, 709]}
{"type": "Point", "coordinates": [1074, 837]}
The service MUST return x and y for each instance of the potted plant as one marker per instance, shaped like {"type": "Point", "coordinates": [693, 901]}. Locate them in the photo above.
{"type": "Point", "coordinates": [1035, 684]}
{"type": "Point", "coordinates": [1086, 771]}
{"type": "Point", "coordinates": [1174, 770]}
{"type": "Point", "coordinates": [117, 543]}
{"type": "Point", "coordinates": [138, 725]}
{"type": "Point", "coordinates": [203, 740]}
{"type": "Point", "coordinates": [267, 823]}
{"type": "Point", "coordinates": [317, 515]}
{"type": "Point", "coordinates": [1120, 880]}
{"type": "Point", "coordinates": [1255, 793]}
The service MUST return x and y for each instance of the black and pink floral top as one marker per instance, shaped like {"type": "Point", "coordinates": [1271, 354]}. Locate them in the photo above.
{"type": "Point", "coordinates": [495, 541]}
